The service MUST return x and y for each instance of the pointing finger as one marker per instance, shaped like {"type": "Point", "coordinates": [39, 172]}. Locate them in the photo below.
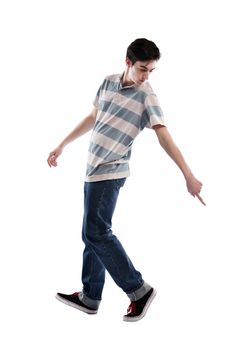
{"type": "Point", "coordinates": [200, 199]}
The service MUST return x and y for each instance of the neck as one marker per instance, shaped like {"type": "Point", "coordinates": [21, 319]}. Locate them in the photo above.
{"type": "Point", "coordinates": [126, 81]}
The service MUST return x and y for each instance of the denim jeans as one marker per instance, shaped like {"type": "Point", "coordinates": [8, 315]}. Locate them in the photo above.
{"type": "Point", "coordinates": [103, 251]}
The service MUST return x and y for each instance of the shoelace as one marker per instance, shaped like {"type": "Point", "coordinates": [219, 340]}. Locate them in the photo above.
{"type": "Point", "coordinates": [132, 308]}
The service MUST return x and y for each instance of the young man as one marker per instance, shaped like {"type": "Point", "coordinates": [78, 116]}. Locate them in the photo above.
{"type": "Point", "coordinates": [125, 104]}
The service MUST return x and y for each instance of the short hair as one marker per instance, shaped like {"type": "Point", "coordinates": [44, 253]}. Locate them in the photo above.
{"type": "Point", "coordinates": [143, 50]}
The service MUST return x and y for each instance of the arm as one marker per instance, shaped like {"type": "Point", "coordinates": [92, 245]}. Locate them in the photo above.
{"type": "Point", "coordinates": [193, 185]}
{"type": "Point", "coordinates": [83, 127]}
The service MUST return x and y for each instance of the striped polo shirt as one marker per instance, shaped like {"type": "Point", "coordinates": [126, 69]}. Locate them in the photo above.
{"type": "Point", "coordinates": [123, 112]}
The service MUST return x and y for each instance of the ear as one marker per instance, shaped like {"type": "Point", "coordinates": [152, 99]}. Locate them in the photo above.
{"type": "Point", "coordinates": [128, 62]}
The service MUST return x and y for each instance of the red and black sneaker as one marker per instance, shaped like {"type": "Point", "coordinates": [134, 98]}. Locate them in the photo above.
{"type": "Point", "coordinates": [73, 300]}
{"type": "Point", "coordinates": [137, 309]}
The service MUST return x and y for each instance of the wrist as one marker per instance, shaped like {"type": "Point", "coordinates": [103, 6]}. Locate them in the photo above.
{"type": "Point", "coordinates": [188, 175]}
{"type": "Point", "coordinates": [62, 145]}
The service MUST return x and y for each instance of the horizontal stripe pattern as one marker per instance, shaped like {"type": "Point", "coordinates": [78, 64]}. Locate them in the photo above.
{"type": "Point", "coordinates": [102, 152]}
{"type": "Point", "coordinates": [114, 134]}
{"type": "Point", "coordinates": [123, 112]}
{"type": "Point", "coordinates": [121, 124]}
{"type": "Point", "coordinates": [103, 141]}
{"type": "Point", "coordinates": [107, 168]}
{"type": "Point", "coordinates": [120, 112]}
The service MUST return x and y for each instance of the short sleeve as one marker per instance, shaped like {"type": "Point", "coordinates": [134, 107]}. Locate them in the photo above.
{"type": "Point", "coordinates": [153, 114]}
{"type": "Point", "coordinates": [96, 100]}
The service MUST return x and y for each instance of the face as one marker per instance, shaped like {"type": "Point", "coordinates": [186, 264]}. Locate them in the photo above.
{"type": "Point", "coordinates": [139, 71]}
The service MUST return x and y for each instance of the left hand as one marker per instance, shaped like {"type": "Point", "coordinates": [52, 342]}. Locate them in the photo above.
{"type": "Point", "coordinates": [194, 187]}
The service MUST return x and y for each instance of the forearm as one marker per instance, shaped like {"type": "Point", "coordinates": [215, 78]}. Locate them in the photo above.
{"type": "Point", "coordinates": [83, 127]}
{"type": "Point", "coordinates": [193, 185]}
{"type": "Point", "coordinates": [173, 151]}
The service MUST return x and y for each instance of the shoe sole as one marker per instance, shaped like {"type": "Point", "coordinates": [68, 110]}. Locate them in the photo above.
{"type": "Point", "coordinates": [139, 317]}
{"type": "Point", "coordinates": [76, 306]}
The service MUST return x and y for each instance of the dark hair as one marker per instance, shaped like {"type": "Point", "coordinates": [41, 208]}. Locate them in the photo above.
{"type": "Point", "coordinates": [143, 50]}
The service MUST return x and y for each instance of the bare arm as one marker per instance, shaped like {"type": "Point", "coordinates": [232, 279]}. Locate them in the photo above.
{"type": "Point", "coordinates": [83, 127]}
{"type": "Point", "coordinates": [193, 185]}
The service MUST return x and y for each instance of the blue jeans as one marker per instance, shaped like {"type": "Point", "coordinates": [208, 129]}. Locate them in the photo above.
{"type": "Point", "coordinates": [103, 251]}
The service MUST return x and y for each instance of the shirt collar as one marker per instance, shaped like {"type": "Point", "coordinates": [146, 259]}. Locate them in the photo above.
{"type": "Point", "coordinates": [120, 86]}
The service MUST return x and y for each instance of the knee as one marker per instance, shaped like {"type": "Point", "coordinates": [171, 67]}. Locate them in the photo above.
{"type": "Point", "coordinates": [93, 235]}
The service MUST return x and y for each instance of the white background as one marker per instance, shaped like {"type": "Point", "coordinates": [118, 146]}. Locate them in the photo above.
{"type": "Point", "coordinates": [54, 55]}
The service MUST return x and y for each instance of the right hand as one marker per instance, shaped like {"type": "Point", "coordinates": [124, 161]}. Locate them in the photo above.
{"type": "Point", "coordinates": [52, 159]}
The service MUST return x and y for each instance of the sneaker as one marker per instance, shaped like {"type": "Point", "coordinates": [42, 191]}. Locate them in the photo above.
{"type": "Point", "coordinates": [137, 309]}
{"type": "Point", "coordinates": [73, 300]}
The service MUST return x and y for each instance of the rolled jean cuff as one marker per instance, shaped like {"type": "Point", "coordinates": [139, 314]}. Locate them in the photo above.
{"type": "Point", "coordinates": [140, 292]}
{"type": "Point", "coordinates": [94, 304]}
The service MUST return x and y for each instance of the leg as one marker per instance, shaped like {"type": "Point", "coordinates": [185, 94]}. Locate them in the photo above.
{"type": "Point", "coordinates": [104, 251]}
{"type": "Point", "coordinates": [100, 201]}
{"type": "Point", "coordinates": [93, 274]}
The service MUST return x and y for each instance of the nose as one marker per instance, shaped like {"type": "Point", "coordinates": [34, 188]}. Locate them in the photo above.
{"type": "Point", "coordinates": [146, 75]}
